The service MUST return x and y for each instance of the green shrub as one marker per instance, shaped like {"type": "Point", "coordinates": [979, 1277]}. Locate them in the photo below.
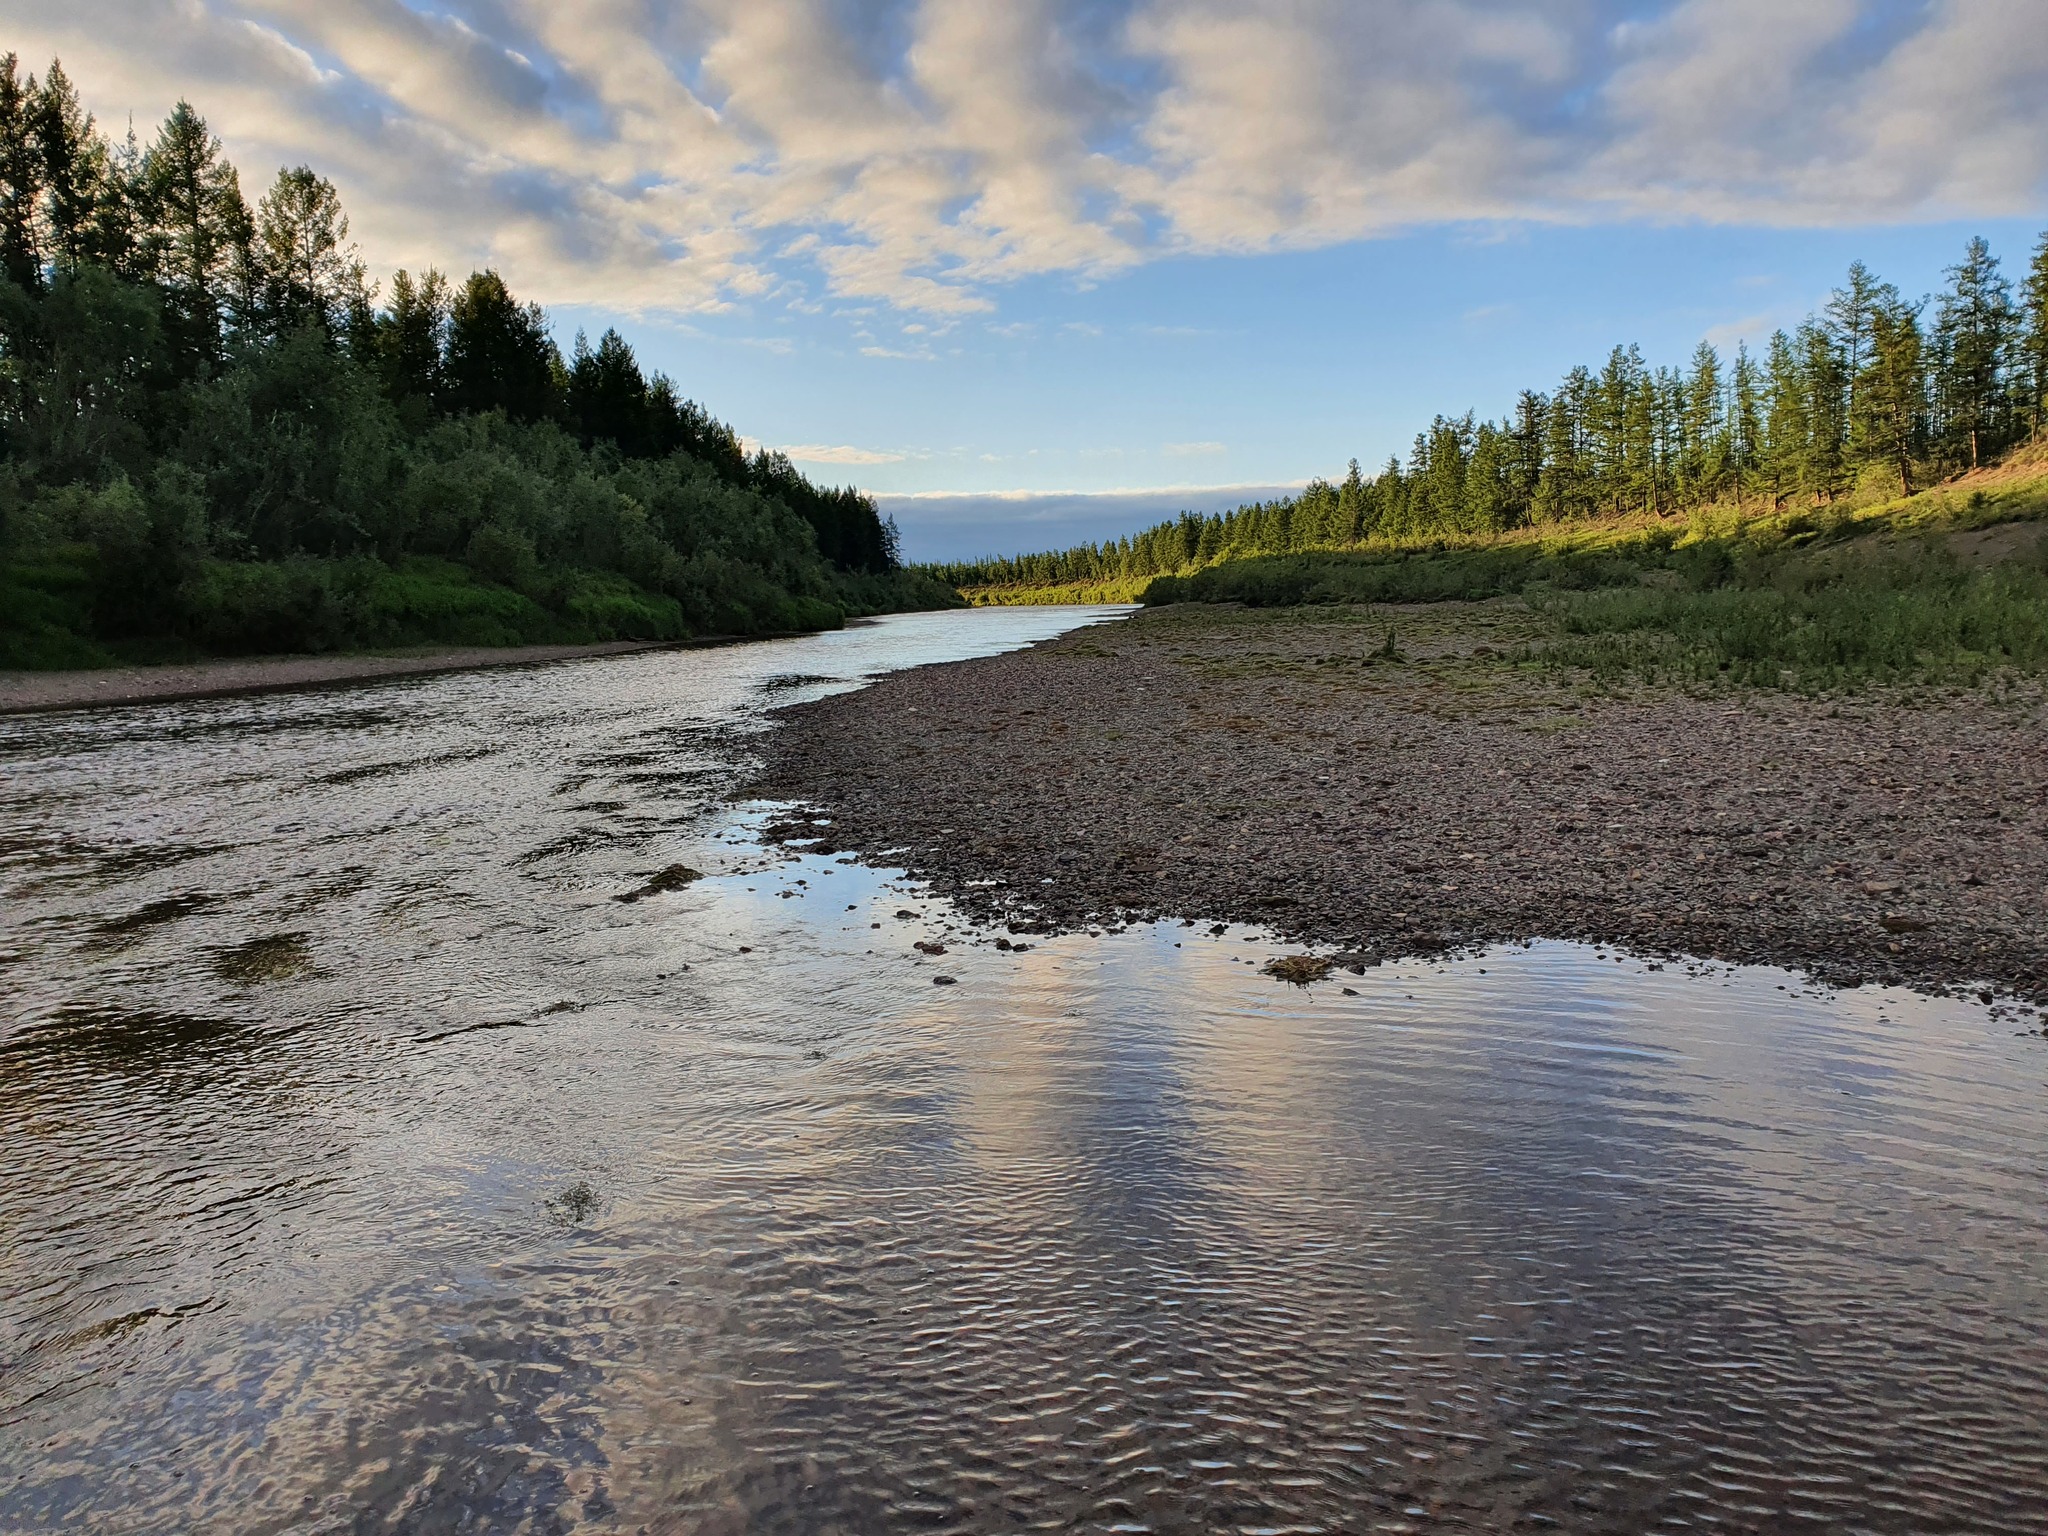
{"type": "Point", "coordinates": [1909, 613]}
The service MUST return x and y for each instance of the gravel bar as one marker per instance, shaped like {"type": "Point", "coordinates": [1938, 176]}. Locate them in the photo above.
{"type": "Point", "coordinates": [1391, 781]}
{"type": "Point", "coordinates": [29, 692]}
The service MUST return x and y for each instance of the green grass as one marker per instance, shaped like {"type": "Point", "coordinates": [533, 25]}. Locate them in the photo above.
{"type": "Point", "coordinates": [1908, 613]}
{"type": "Point", "coordinates": [1128, 589]}
{"type": "Point", "coordinates": [46, 612]}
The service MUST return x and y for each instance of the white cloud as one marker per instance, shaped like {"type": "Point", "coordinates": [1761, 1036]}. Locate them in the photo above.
{"type": "Point", "coordinates": [1192, 450]}
{"type": "Point", "coordinates": [818, 453]}
{"type": "Point", "coordinates": [917, 154]}
{"type": "Point", "coordinates": [1751, 329]}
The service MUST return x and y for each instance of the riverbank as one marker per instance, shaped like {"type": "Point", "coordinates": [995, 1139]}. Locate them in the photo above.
{"type": "Point", "coordinates": [26, 692]}
{"type": "Point", "coordinates": [1388, 781]}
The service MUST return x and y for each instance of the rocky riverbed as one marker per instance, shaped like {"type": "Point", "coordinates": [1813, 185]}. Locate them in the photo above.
{"type": "Point", "coordinates": [221, 677]}
{"type": "Point", "coordinates": [1385, 796]}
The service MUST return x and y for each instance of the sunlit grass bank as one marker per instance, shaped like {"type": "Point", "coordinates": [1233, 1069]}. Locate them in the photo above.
{"type": "Point", "coordinates": [1949, 585]}
{"type": "Point", "coordinates": [1129, 589]}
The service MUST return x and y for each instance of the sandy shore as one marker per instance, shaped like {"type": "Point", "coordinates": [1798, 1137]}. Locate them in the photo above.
{"type": "Point", "coordinates": [1217, 763]}
{"type": "Point", "coordinates": [21, 692]}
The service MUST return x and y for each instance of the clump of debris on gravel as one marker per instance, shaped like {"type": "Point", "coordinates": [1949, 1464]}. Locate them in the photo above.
{"type": "Point", "coordinates": [1394, 781]}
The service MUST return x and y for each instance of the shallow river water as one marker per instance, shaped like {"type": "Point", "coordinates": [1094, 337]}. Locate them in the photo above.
{"type": "Point", "coordinates": [370, 1168]}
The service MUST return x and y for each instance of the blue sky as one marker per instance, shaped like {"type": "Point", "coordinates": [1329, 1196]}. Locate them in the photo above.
{"type": "Point", "coordinates": [1248, 374]}
{"type": "Point", "coordinates": [1179, 250]}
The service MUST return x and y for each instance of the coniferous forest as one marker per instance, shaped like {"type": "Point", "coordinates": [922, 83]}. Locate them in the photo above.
{"type": "Point", "coordinates": [1874, 397]}
{"type": "Point", "coordinates": [220, 437]}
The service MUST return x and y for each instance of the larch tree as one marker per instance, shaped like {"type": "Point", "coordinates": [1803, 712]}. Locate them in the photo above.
{"type": "Point", "coordinates": [311, 274]}
{"type": "Point", "coordinates": [21, 178]}
{"type": "Point", "coordinates": [198, 233]}
{"type": "Point", "coordinates": [1746, 395]}
{"type": "Point", "coordinates": [1891, 396]}
{"type": "Point", "coordinates": [499, 357]}
{"type": "Point", "coordinates": [1976, 323]}
{"type": "Point", "coordinates": [78, 180]}
{"type": "Point", "coordinates": [412, 334]}
{"type": "Point", "coordinates": [1703, 451]}
{"type": "Point", "coordinates": [1848, 317]}
{"type": "Point", "coordinates": [1822, 380]}
{"type": "Point", "coordinates": [1784, 421]}
{"type": "Point", "coordinates": [2033, 348]}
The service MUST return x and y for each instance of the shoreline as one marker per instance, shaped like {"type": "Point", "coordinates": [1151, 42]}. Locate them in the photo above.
{"type": "Point", "coordinates": [24, 693]}
{"type": "Point", "coordinates": [1281, 769]}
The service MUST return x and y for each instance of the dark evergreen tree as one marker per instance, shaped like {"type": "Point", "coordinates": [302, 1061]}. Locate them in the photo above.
{"type": "Point", "coordinates": [1823, 380]}
{"type": "Point", "coordinates": [310, 274]}
{"type": "Point", "coordinates": [21, 178]}
{"type": "Point", "coordinates": [1782, 464]}
{"type": "Point", "coordinates": [1848, 318]}
{"type": "Point", "coordinates": [608, 396]}
{"type": "Point", "coordinates": [500, 357]}
{"type": "Point", "coordinates": [76, 173]}
{"type": "Point", "coordinates": [411, 335]}
{"type": "Point", "coordinates": [197, 235]}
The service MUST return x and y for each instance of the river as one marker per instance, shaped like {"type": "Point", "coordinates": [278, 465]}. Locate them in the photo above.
{"type": "Point", "coordinates": [371, 1167]}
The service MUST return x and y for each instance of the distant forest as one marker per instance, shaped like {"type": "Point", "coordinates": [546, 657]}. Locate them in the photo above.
{"type": "Point", "coordinates": [1876, 395]}
{"type": "Point", "coordinates": [218, 438]}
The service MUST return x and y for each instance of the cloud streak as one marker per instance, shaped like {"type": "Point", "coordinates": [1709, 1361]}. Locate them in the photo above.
{"type": "Point", "coordinates": [921, 154]}
{"type": "Point", "coordinates": [824, 453]}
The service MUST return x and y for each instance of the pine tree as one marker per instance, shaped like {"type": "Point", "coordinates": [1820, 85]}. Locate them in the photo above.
{"type": "Point", "coordinates": [198, 239]}
{"type": "Point", "coordinates": [1823, 386]}
{"type": "Point", "coordinates": [499, 355]}
{"type": "Point", "coordinates": [1849, 317]}
{"type": "Point", "coordinates": [1526, 452]}
{"type": "Point", "coordinates": [310, 274]}
{"type": "Point", "coordinates": [1891, 395]}
{"type": "Point", "coordinates": [1352, 507]}
{"type": "Point", "coordinates": [1703, 451]}
{"type": "Point", "coordinates": [607, 395]}
{"type": "Point", "coordinates": [411, 335]}
{"type": "Point", "coordinates": [1976, 323]}
{"type": "Point", "coordinates": [1638, 483]}
{"type": "Point", "coordinates": [21, 178]}
{"type": "Point", "coordinates": [1607, 428]}
{"type": "Point", "coordinates": [1488, 505]}
{"type": "Point", "coordinates": [1441, 460]}
{"type": "Point", "coordinates": [1565, 489]}
{"type": "Point", "coordinates": [75, 172]}
{"type": "Point", "coordinates": [1783, 456]}
{"type": "Point", "coordinates": [1746, 389]}
{"type": "Point", "coordinates": [2033, 349]}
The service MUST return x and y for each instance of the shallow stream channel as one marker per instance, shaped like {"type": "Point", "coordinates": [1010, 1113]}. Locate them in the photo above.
{"type": "Point", "coordinates": [372, 1166]}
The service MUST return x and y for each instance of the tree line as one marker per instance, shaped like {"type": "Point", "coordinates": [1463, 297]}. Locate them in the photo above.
{"type": "Point", "coordinates": [214, 428]}
{"type": "Point", "coordinates": [1877, 393]}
